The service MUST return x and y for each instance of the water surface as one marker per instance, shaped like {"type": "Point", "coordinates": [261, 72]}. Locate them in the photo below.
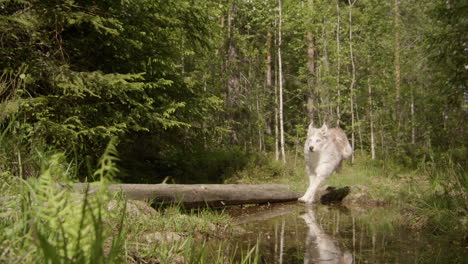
{"type": "Point", "coordinates": [296, 233]}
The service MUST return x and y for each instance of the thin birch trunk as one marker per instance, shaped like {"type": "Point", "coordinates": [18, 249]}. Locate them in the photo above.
{"type": "Point", "coordinates": [283, 154]}
{"type": "Point", "coordinates": [268, 62]}
{"type": "Point", "coordinates": [232, 69]}
{"type": "Point", "coordinates": [326, 73]}
{"type": "Point", "coordinates": [311, 80]}
{"type": "Point", "coordinates": [370, 109]}
{"type": "Point", "coordinates": [382, 141]}
{"type": "Point", "coordinates": [397, 65]}
{"type": "Point", "coordinates": [311, 100]}
{"type": "Point", "coordinates": [259, 122]}
{"type": "Point", "coordinates": [353, 79]}
{"type": "Point", "coordinates": [338, 67]}
{"type": "Point", "coordinates": [359, 129]}
{"type": "Point", "coordinates": [277, 153]}
{"type": "Point", "coordinates": [269, 83]}
{"type": "Point", "coordinates": [413, 122]}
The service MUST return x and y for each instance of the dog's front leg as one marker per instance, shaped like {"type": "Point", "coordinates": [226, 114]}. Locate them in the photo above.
{"type": "Point", "coordinates": [308, 196]}
{"type": "Point", "coordinates": [305, 198]}
{"type": "Point", "coordinates": [315, 182]}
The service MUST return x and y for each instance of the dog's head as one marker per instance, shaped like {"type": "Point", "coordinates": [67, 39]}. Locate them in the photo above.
{"type": "Point", "coordinates": [317, 137]}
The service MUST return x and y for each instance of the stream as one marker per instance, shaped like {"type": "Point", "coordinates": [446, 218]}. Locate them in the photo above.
{"type": "Point", "coordinates": [296, 233]}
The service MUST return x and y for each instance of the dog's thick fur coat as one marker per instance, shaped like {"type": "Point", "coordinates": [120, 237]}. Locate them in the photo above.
{"type": "Point", "coordinates": [324, 150]}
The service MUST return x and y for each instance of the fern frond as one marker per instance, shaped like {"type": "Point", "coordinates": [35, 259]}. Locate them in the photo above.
{"type": "Point", "coordinates": [107, 166]}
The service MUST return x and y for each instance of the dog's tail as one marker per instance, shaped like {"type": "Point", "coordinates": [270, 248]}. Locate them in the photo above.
{"type": "Point", "coordinates": [347, 151]}
{"type": "Point", "coordinates": [345, 148]}
{"type": "Point", "coordinates": [342, 144]}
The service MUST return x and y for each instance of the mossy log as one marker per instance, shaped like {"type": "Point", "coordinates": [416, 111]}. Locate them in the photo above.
{"type": "Point", "coordinates": [195, 195]}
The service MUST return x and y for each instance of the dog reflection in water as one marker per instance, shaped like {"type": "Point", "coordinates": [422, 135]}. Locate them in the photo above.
{"type": "Point", "coordinates": [320, 247]}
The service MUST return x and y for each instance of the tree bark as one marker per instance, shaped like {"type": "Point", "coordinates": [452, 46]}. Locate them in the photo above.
{"type": "Point", "coordinates": [370, 109]}
{"type": "Point", "coordinates": [359, 130]}
{"type": "Point", "coordinates": [277, 140]}
{"type": "Point", "coordinates": [353, 77]}
{"type": "Point", "coordinates": [413, 120]}
{"type": "Point", "coordinates": [232, 71]}
{"type": "Point", "coordinates": [269, 80]}
{"type": "Point", "coordinates": [397, 65]}
{"type": "Point", "coordinates": [338, 65]}
{"type": "Point", "coordinates": [195, 195]}
{"type": "Point", "coordinates": [311, 100]}
{"type": "Point", "coordinates": [280, 71]}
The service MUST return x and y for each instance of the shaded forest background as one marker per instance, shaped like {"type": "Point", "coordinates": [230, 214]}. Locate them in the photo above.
{"type": "Point", "coordinates": [191, 89]}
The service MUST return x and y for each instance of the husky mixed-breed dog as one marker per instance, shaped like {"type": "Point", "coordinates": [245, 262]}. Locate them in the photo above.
{"type": "Point", "coordinates": [324, 150]}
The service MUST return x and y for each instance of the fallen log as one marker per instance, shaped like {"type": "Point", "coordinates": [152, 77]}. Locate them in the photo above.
{"type": "Point", "coordinates": [195, 195]}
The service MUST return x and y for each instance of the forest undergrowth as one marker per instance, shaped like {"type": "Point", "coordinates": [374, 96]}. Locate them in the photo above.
{"type": "Point", "coordinates": [44, 219]}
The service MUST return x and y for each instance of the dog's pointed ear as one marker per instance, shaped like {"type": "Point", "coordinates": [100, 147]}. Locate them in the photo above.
{"type": "Point", "coordinates": [310, 129]}
{"type": "Point", "coordinates": [324, 128]}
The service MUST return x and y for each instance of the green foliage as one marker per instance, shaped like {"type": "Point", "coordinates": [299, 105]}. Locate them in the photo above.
{"type": "Point", "coordinates": [79, 73]}
{"type": "Point", "coordinates": [46, 222]}
{"type": "Point", "coordinates": [260, 168]}
{"type": "Point", "coordinates": [107, 169]}
{"type": "Point", "coordinates": [187, 166]}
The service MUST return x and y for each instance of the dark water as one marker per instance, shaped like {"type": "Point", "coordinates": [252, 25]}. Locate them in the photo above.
{"type": "Point", "coordinates": [297, 233]}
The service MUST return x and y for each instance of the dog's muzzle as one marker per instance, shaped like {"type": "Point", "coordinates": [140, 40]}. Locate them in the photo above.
{"type": "Point", "coordinates": [311, 148]}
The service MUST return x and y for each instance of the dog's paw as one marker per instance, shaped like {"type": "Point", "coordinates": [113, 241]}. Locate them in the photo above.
{"type": "Point", "coordinates": [304, 200]}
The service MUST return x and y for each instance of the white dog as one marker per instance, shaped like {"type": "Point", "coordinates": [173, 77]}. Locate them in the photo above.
{"type": "Point", "coordinates": [324, 150]}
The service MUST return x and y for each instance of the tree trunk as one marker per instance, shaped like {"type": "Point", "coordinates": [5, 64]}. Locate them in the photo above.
{"type": "Point", "coordinates": [280, 71]}
{"type": "Point", "coordinates": [382, 140]}
{"type": "Point", "coordinates": [413, 122]}
{"type": "Point", "coordinates": [269, 83]}
{"type": "Point", "coordinates": [353, 77]}
{"type": "Point", "coordinates": [232, 71]}
{"type": "Point", "coordinates": [269, 80]}
{"type": "Point", "coordinates": [277, 140]}
{"type": "Point", "coordinates": [194, 195]}
{"type": "Point", "coordinates": [370, 109]}
{"type": "Point", "coordinates": [260, 128]}
{"type": "Point", "coordinates": [338, 64]}
{"type": "Point", "coordinates": [397, 66]}
{"type": "Point", "coordinates": [325, 74]}
{"type": "Point", "coordinates": [311, 100]}
{"type": "Point", "coordinates": [361, 145]}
